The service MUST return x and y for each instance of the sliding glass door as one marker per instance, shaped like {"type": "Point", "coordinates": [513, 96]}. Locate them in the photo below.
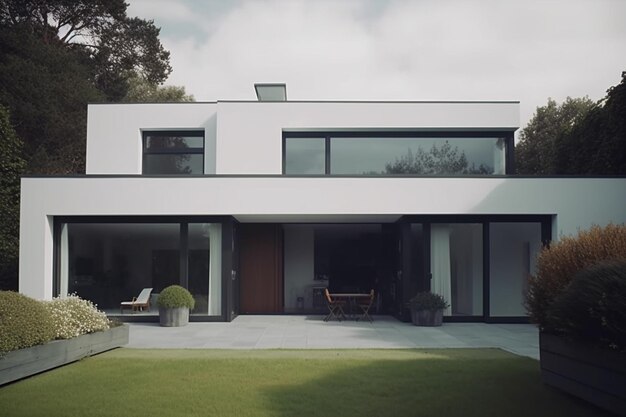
{"type": "Point", "coordinates": [513, 250]}
{"type": "Point", "coordinates": [456, 262]}
{"type": "Point", "coordinates": [482, 266]}
{"type": "Point", "coordinates": [108, 261]}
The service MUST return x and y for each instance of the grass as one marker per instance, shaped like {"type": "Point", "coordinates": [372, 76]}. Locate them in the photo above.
{"type": "Point", "coordinates": [446, 382]}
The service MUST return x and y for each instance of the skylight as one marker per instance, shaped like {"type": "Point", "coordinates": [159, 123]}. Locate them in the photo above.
{"type": "Point", "coordinates": [271, 92]}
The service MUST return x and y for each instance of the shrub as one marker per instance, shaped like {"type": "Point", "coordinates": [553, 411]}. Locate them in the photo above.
{"type": "Point", "coordinates": [72, 316]}
{"type": "Point", "coordinates": [593, 306]}
{"type": "Point", "coordinates": [175, 296]}
{"type": "Point", "coordinates": [24, 322]}
{"type": "Point", "coordinates": [557, 265]}
{"type": "Point", "coordinates": [428, 301]}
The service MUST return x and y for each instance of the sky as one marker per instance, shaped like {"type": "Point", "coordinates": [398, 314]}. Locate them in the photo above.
{"type": "Point", "coordinates": [526, 50]}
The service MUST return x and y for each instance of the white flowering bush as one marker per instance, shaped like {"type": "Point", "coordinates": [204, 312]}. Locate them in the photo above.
{"type": "Point", "coordinates": [73, 316]}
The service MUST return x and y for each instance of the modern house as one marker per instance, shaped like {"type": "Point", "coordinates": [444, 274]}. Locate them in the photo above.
{"type": "Point", "coordinates": [255, 206]}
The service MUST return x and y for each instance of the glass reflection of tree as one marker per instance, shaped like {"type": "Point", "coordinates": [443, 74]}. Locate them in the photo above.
{"type": "Point", "coordinates": [178, 163]}
{"type": "Point", "coordinates": [439, 160]}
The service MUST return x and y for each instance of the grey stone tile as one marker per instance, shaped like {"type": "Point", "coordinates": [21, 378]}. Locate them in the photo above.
{"type": "Point", "coordinates": [271, 332]}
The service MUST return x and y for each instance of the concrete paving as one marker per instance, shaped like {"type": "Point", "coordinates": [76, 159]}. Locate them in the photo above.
{"type": "Point", "coordinates": [310, 332]}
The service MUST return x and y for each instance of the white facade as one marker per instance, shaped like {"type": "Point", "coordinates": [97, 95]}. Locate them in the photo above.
{"type": "Point", "coordinates": [243, 165]}
{"type": "Point", "coordinates": [246, 138]}
{"type": "Point", "coordinates": [574, 203]}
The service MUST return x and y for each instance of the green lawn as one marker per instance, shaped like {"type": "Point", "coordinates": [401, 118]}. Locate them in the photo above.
{"type": "Point", "coordinates": [289, 383]}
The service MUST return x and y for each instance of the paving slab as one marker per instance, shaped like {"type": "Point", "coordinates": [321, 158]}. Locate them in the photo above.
{"type": "Point", "coordinates": [311, 332]}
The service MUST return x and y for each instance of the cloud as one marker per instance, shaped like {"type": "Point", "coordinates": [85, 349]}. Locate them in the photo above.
{"type": "Point", "coordinates": [161, 10]}
{"type": "Point", "coordinates": [398, 49]}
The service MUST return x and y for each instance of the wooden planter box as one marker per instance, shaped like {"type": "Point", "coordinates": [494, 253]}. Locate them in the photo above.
{"type": "Point", "coordinates": [33, 360]}
{"type": "Point", "coordinates": [427, 317]}
{"type": "Point", "coordinates": [591, 373]}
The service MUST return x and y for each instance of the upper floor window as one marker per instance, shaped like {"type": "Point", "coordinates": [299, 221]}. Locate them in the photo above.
{"type": "Point", "coordinates": [305, 156]}
{"type": "Point", "coordinates": [173, 152]}
{"type": "Point", "coordinates": [395, 153]}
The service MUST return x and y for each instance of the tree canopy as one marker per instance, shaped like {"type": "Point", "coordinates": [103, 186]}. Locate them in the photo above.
{"type": "Point", "coordinates": [140, 90]}
{"type": "Point", "coordinates": [56, 56]}
{"type": "Point", "coordinates": [578, 137]}
{"type": "Point", "coordinates": [114, 44]}
{"type": "Point", "coordinates": [536, 152]}
{"type": "Point", "coordinates": [47, 88]}
{"type": "Point", "coordinates": [597, 144]}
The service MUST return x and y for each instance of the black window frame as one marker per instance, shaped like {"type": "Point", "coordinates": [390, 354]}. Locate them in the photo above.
{"type": "Point", "coordinates": [507, 135]}
{"type": "Point", "coordinates": [229, 262]}
{"type": "Point", "coordinates": [427, 220]}
{"type": "Point", "coordinates": [171, 151]}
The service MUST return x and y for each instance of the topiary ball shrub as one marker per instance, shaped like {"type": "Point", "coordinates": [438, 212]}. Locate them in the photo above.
{"type": "Point", "coordinates": [557, 265]}
{"type": "Point", "coordinates": [72, 316]}
{"type": "Point", "coordinates": [24, 322]}
{"type": "Point", "coordinates": [428, 301]}
{"type": "Point", "coordinates": [175, 296]}
{"type": "Point", "coordinates": [593, 307]}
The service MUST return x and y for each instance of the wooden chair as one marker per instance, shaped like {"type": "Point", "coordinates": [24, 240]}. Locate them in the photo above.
{"type": "Point", "coordinates": [335, 307]}
{"type": "Point", "coordinates": [139, 303]}
{"type": "Point", "coordinates": [365, 304]}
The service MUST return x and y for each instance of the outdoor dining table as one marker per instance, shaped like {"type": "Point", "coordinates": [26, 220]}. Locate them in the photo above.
{"type": "Point", "coordinates": [351, 299]}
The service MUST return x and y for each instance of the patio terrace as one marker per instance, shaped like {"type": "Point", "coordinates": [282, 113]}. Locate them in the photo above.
{"type": "Point", "coordinates": [310, 332]}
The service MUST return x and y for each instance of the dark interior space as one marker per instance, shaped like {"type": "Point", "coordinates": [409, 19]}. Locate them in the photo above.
{"type": "Point", "coordinates": [355, 258]}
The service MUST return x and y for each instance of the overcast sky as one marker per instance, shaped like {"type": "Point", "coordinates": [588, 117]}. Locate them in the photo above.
{"type": "Point", "coordinates": [525, 50]}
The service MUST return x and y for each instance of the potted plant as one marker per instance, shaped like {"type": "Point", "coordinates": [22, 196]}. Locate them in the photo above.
{"type": "Point", "coordinates": [427, 309]}
{"type": "Point", "coordinates": [174, 304]}
{"type": "Point", "coordinates": [576, 297]}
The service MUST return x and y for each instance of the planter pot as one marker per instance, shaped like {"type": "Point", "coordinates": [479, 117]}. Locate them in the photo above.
{"type": "Point", "coordinates": [35, 359]}
{"type": "Point", "coordinates": [174, 317]}
{"type": "Point", "coordinates": [588, 372]}
{"type": "Point", "coordinates": [427, 317]}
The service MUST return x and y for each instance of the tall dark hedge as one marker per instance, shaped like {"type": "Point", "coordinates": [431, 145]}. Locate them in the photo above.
{"type": "Point", "coordinates": [593, 307]}
{"type": "Point", "coordinates": [12, 165]}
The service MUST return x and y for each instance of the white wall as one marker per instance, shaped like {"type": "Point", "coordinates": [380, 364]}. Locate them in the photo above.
{"type": "Point", "coordinates": [249, 134]}
{"type": "Point", "coordinates": [577, 203]}
{"type": "Point", "coordinates": [299, 265]}
{"type": "Point", "coordinates": [114, 132]}
{"type": "Point", "coordinates": [246, 137]}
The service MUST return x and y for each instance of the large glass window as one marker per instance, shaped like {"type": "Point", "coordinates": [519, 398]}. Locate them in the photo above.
{"type": "Point", "coordinates": [382, 155]}
{"type": "Point", "coordinates": [305, 156]}
{"type": "Point", "coordinates": [173, 153]}
{"type": "Point", "coordinates": [514, 248]}
{"type": "Point", "coordinates": [416, 156]}
{"type": "Point", "coordinates": [112, 262]}
{"type": "Point", "coordinates": [457, 267]}
{"type": "Point", "coordinates": [109, 263]}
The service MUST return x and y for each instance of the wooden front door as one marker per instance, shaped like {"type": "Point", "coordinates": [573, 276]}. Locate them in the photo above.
{"type": "Point", "coordinates": [261, 268]}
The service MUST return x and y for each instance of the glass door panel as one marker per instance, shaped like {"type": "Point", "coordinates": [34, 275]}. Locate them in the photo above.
{"type": "Point", "coordinates": [513, 251]}
{"type": "Point", "coordinates": [457, 266]}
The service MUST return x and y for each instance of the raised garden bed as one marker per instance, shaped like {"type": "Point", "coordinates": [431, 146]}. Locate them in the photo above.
{"type": "Point", "coordinates": [33, 360]}
{"type": "Point", "coordinates": [588, 372]}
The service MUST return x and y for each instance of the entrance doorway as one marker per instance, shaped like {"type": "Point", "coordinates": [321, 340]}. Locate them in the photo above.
{"type": "Point", "coordinates": [261, 268]}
